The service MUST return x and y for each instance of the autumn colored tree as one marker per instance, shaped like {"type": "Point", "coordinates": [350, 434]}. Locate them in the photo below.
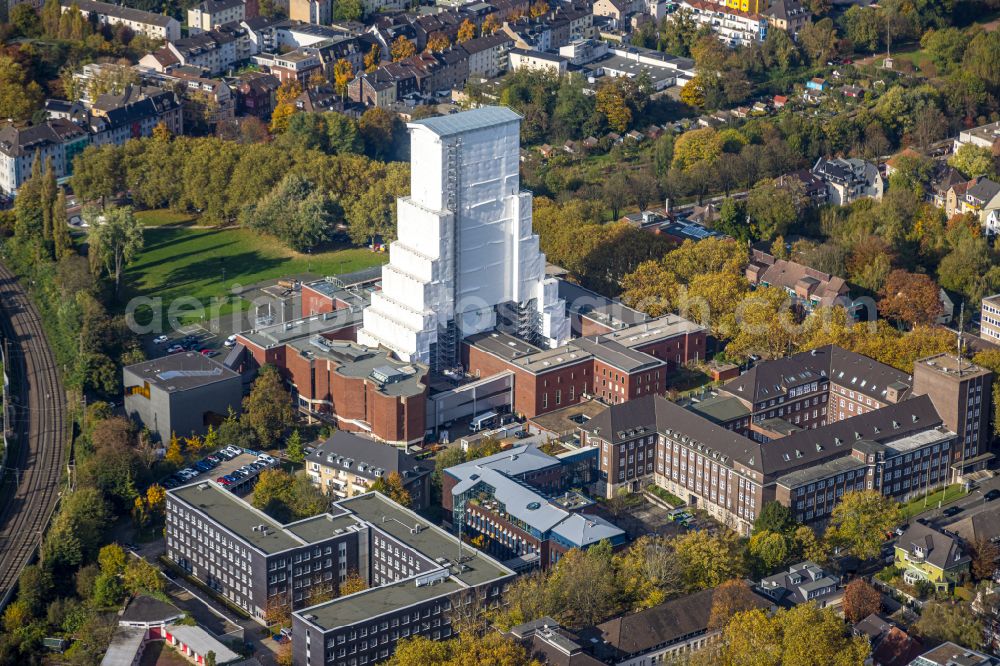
{"type": "Point", "coordinates": [392, 487]}
{"type": "Point", "coordinates": [490, 25]}
{"type": "Point", "coordinates": [343, 72]}
{"type": "Point", "coordinates": [174, 455]}
{"type": "Point", "coordinates": [708, 560]}
{"type": "Point", "coordinates": [284, 105]}
{"type": "Point", "coordinates": [732, 597]}
{"type": "Point", "coordinates": [910, 297]}
{"type": "Point", "coordinates": [161, 132]}
{"type": "Point", "coordinates": [985, 554]}
{"type": "Point", "coordinates": [437, 41]}
{"type": "Point", "coordinates": [860, 600]}
{"type": "Point", "coordinates": [942, 621]}
{"type": "Point", "coordinates": [353, 583]}
{"type": "Point", "coordinates": [693, 92]}
{"type": "Point", "coordinates": [466, 31]}
{"type": "Point", "coordinates": [538, 8]}
{"type": "Point", "coordinates": [402, 48]}
{"type": "Point", "coordinates": [373, 58]}
{"type": "Point", "coordinates": [861, 520]}
{"type": "Point", "coordinates": [611, 104]}
{"type": "Point", "coordinates": [769, 549]}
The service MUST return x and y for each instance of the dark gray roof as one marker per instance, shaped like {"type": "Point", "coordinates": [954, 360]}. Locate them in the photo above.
{"type": "Point", "coordinates": [22, 141]}
{"type": "Point", "coordinates": [662, 624]}
{"type": "Point", "coordinates": [148, 609]}
{"type": "Point", "coordinates": [182, 371]}
{"type": "Point", "coordinates": [984, 190]}
{"type": "Point", "coordinates": [939, 549]}
{"type": "Point", "coordinates": [108, 9]}
{"type": "Point", "coordinates": [366, 456]}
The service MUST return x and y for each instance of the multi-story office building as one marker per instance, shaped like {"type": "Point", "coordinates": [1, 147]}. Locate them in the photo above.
{"type": "Point", "coordinates": [415, 573]}
{"type": "Point", "coordinates": [519, 503]}
{"type": "Point", "coordinates": [767, 437]}
{"type": "Point", "coordinates": [989, 324]}
{"type": "Point", "coordinates": [346, 465]}
{"type": "Point", "coordinates": [421, 579]}
{"type": "Point", "coordinates": [466, 259]}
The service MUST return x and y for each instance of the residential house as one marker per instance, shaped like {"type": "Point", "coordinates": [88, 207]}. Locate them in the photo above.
{"type": "Point", "coordinates": [617, 11]}
{"type": "Point", "coordinates": [955, 197]}
{"type": "Point", "coordinates": [925, 554]}
{"type": "Point", "coordinates": [981, 526]}
{"type": "Point", "coordinates": [21, 146]}
{"type": "Point", "coordinates": [215, 51]}
{"type": "Point", "coordinates": [735, 27]}
{"type": "Point", "coordinates": [536, 61]}
{"type": "Point", "coordinates": [817, 84]}
{"type": "Point", "coordinates": [808, 288]}
{"type": "Point", "coordinates": [805, 582]}
{"type": "Point", "coordinates": [310, 11]}
{"type": "Point", "coordinates": [981, 199]}
{"type": "Point", "coordinates": [813, 186]}
{"type": "Point", "coordinates": [658, 634]}
{"type": "Point", "coordinates": [890, 645]}
{"type": "Point", "coordinates": [779, 101]}
{"type": "Point", "coordinates": [157, 26]}
{"type": "Point", "coordinates": [849, 179]}
{"type": "Point", "coordinates": [255, 94]}
{"type": "Point", "coordinates": [347, 464]}
{"type": "Point", "coordinates": [488, 55]}
{"type": "Point", "coordinates": [787, 15]}
{"type": "Point", "coordinates": [133, 114]}
{"type": "Point", "coordinates": [291, 66]}
{"type": "Point", "coordinates": [206, 102]}
{"type": "Point", "coordinates": [943, 180]}
{"type": "Point", "coordinates": [984, 136]}
{"type": "Point", "coordinates": [210, 14]}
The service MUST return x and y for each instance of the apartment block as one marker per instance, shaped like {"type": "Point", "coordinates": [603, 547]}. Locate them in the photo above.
{"type": "Point", "coordinates": [346, 465]}
{"type": "Point", "coordinates": [157, 26]}
{"type": "Point", "coordinates": [211, 14]}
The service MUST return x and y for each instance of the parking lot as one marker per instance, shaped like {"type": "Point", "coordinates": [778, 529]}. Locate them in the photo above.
{"type": "Point", "coordinates": [239, 470]}
{"type": "Point", "coordinates": [648, 518]}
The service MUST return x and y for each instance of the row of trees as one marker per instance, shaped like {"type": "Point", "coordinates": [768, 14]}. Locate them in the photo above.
{"type": "Point", "coordinates": [298, 196]}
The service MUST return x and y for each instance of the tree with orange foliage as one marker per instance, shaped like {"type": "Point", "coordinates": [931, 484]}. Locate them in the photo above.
{"type": "Point", "coordinates": [539, 8]}
{"type": "Point", "coordinates": [373, 58]}
{"type": "Point", "coordinates": [860, 600]}
{"type": "Point", "coordinates": [437, 41]}
{"type": "Point", "coordinates": [490, 25]}
{"type": "Point", "coordinates": [402, 48]}
{"type": "Point", "coordinates": [343, 72]}
{"type": "Point", "coordinates": [911, 298]}
{"type": "Point", "coordinates": [466, 31]}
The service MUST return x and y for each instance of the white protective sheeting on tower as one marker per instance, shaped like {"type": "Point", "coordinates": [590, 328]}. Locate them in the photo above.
{"type": "Point", "coordinates": [465, 243]}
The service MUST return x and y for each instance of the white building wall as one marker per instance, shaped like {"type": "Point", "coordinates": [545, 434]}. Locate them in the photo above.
{"type": "Point", "coordinates": [465, 243]}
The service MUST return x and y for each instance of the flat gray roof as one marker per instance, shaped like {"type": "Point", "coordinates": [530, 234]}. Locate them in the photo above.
{"type": "Point", "coordinates": [431, 541]}
{"type": "Point", "coordinates": [467, 121]}
{"type": "Point", "coordinates": [323, 526]}
{"type": "Point", "coordinates": [376, 601]}
{"type": "Point", "coordinates": [238, 516]}
{"type": "Point", "coordinates": [182, 371]}
{"type": "Point", "coordinates": [297, 329]}
{"type": "Point", "coordinates": [721, 408]}
{"type": "Point", "coordinates": [822, 471]}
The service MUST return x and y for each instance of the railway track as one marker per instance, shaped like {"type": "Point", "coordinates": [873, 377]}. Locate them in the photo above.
{"type": "Point", "coordinates": [30, 482]}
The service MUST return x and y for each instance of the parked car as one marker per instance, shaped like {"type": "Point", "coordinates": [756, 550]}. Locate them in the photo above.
{"type": "Point", "coordinates": [230, 341]}
{"type": "Point", "coordinates": [173, 349]}
{"type": "Point", "coordinates": [223, 481]}
{"type": "Point", "coordinates": [266, 458]}
{"type": "Point", "coordinates": [991, 495]}
{"type": "Point", "coordinates": [160, 339]}
{"type": "Point", "coordinates": [214, 458]}
{"type": "Point", "coordinates": [952, 511]}
{"type": "Point", "coordinates": [901, 529]}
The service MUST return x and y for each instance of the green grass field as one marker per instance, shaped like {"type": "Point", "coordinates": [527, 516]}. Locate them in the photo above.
{"type": "Point", "coordinates": [208, 263]}
{"type": "Point", "coordinates": [945, 496]}
{"type": "Point", "coordinates": [162, 217]}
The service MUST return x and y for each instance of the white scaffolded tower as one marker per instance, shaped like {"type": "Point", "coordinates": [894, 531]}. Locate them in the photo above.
{"type": "Point", "coordinates": [466, 259]}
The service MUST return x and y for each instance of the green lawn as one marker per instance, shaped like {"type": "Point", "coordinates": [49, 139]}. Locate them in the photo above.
{"type": "Point", "coordinates": [946, 495]}
{"type": "Point", "coordinates": [208, 263]}
{"type": "Point", "coordinates": [163, 217]}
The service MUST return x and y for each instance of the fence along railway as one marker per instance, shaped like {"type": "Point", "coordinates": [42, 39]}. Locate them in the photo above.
{"type": "Point", "coordinates": [35, 433]}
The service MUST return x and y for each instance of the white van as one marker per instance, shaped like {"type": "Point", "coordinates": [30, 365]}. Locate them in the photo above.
{"type": "Point", "coordinates": [484, 420]}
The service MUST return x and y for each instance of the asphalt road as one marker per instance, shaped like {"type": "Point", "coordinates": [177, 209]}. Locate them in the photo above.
{"type": "Point", "coordinates": [971, 504]}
